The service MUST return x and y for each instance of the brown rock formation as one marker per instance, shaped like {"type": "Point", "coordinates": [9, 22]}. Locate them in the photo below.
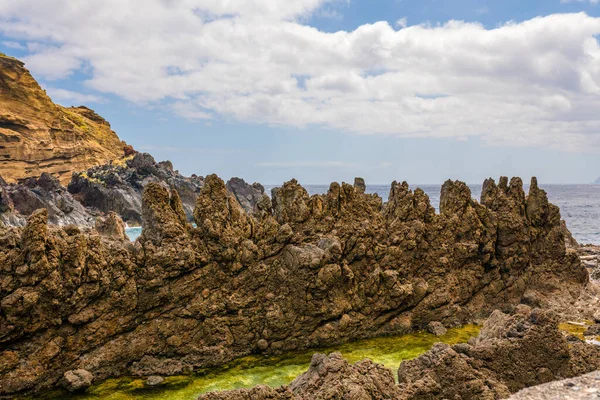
{"type": "Point", "coordinates": [39, 136]}
{"type": "Point", "coordinates": [329, 377]}
{"type": "Point", "coordinates": [511, 353]}
{"type": "Point", "coordinates": [311, 271]}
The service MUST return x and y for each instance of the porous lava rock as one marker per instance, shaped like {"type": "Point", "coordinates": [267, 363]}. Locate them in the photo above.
{"type": "Point", "coordinates": [512, 352]}
{"type": "Point", "coordinates": [310, 271]}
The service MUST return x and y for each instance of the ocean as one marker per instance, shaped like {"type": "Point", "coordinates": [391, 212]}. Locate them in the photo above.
{"type": "Point", "coordinates": [579, 205]}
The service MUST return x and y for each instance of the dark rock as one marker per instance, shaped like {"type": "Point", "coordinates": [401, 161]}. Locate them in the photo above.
{"type": "Point", "coordinates": [18, 201]}
{"type": "Point", "coordinates": [250, 197]}
{"type": "Point", "coordinates": [119, 188]}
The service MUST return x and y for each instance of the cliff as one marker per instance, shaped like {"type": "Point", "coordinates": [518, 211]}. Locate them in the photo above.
{"type": "Point", "coordinates": [39, 136]}
{"type": "Point", "coordinates": [300, 272]}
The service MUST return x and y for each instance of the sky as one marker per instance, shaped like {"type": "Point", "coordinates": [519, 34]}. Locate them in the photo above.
{"type": "Point", "coordinates": [326, 90]}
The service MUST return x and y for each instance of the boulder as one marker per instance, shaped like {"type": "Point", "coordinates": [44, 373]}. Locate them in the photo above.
{"type": "Point", "coordinates": [77, 380]}
{"type": "Point", "coordinates": [436, 328]}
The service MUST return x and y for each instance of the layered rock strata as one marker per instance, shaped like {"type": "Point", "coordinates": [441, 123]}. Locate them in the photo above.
{"type": "Point", "coordinates": [300, 272]}
{"type": "Point", "coordinates": [39, 136]}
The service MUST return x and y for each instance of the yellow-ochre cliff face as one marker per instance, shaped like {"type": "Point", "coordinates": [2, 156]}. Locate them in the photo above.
{"type": "Point", "coordinates": [37, 135]}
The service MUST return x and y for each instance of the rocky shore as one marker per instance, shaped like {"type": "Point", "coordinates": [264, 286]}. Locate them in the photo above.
{"type": "Point", "coordinates": [296, 272]}
{"type": "Point", "coordinates": [115, 187]}
{"type": "Point", "coordinates": [510, 353]}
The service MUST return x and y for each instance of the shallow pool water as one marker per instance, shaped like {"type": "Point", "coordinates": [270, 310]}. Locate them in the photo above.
{"type": "Point", "coordinates": [274, 371]}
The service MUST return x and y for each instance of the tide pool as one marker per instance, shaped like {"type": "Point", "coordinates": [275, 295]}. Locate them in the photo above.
{"type": "Point", "coordinates": [269, 370]}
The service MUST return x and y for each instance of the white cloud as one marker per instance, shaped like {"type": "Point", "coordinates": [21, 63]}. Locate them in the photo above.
{"type": "Point", "coordinates": [534, 83]}
{"type": "Point", "coordinates": [402, 22]}
{"type": "Point", "coordinates": [307, 164]}
{"type": "Point", "coordinates": [70, 98]}
{"type": "Point", "coordinates": [581, 1]}
{"type": "Point", "coordinates": [13, 45]}
{"type": "Point", "coordinates": [323, 164]}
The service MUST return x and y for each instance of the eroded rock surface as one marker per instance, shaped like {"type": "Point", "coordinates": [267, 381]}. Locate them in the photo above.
{"type": "Point", "coordinates": [329, 377]}
{"type": "Point", "coordinates": [37, 135]}
{"type": "Point", "coordinates": [20, 200]}
{"type": "Point", "coordinates": [310, 271]}
{"type": "Point", "coordinates": [510, 353]}
{"type": "Point", "coordinates": [118, 187]}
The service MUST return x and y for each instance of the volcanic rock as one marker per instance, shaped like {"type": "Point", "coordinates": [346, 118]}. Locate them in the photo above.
{"type": "Point", "coordinates": [312, 271]}
{"type": "Point", "coordinates": [252, 198]}
{"type": "Point", "coordinates": [39, 136]}
{"type": "Point", "coordinates": [118, 187]}
{"type": "Point", "coordinates": [436, 328]}
{"type": "Point", "coordinates": [329, 377]}
{"type": "Point", "coordinates": [18, 201]}
{"type": "Point", "coordinates": [510, 353]}
{"type": "Point", "coordinates": [77, 380]}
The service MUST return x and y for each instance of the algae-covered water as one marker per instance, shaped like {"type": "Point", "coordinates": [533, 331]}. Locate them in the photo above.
{"type": "Point", "coordinates": [274, 371]}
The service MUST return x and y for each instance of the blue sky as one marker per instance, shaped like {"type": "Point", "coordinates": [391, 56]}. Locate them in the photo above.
{"type": "Point", "coordinates": [260, 95]}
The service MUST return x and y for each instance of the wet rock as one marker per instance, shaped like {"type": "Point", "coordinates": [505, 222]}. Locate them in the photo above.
{"type": "Point", "coordinates": [436, 328]}
{"type": "Point", "coordinates": [77, 380]}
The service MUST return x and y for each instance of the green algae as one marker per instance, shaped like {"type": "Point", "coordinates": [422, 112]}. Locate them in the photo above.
{"type": "Point", "coordinates": [575, 329]}
{"type": "Point", "coordinates": [269, 370]}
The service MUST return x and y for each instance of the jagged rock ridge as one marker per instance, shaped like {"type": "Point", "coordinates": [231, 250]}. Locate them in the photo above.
{"type": "Point", "coordinates": [302, 271]}
{"type": "Point", "coordinates": [39, 136]}
{"type": "Point", "coordinates": [118, 187]}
